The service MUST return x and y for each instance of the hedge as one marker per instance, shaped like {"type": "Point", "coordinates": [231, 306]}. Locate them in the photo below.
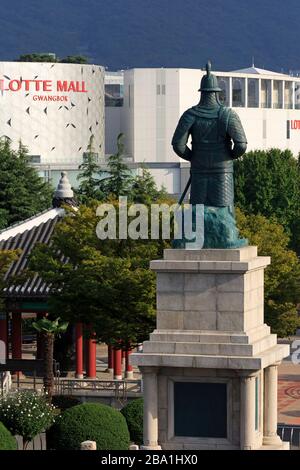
{"type": "Point", "coordinates": [89, 421]}
{"type": "Point", "coordinates": [133, 413]}
{"type": "Point", "coordinates": [63, 402]}
{"type": "Point", "coordinates": [7, 440]}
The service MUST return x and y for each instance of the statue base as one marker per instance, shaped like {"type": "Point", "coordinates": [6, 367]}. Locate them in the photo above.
{"type": "Point", "coordinates": [210, 368]}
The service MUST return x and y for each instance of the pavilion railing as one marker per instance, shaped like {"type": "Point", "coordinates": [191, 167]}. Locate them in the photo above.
{"type": "Point", "coordinates": [119, 389]}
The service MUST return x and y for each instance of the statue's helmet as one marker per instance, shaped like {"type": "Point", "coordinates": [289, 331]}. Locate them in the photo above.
{"type": "Point", "coordinates": [209, 82]}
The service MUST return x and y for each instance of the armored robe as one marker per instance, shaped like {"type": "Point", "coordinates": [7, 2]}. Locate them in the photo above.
{"type": "Point", "coordinates": [217, 138]}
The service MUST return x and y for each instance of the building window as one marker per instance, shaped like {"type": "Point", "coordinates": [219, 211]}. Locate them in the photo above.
{"type": "Point", "coordinates": [163, 89]}
{"type": "Point", "coordinates": [34, 158]}
{"type": "Point", "coordinates": [288, 95]}
{"type": "Point", "coordinates": [114, 95]}
{"type": "Point", "coordinates": [238, 92]}
{"type": "Point", "coordinates": [277, 94]}
{"type": "Point", "coordinates": [224, 94]}
{"type": "Point", "coordinates": [297, 95]}
{"type": "Point", "coordinates": [200, 409]}
{"type": "Point", "coordinates": [158, 89]}
{"type": "Point", "coordinates": [265, 93]}
{"type": "Point", "coordinates": [253, 93]}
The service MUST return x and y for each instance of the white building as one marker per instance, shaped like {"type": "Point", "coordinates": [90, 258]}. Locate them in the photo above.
{"type": "Point", "coordinates": [268, 104]}
{"type": "Point", "coordinates": [54, 109]}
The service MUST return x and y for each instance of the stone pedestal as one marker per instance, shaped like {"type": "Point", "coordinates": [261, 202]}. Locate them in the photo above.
{"type": "Point", "coordinates": [210, 367]}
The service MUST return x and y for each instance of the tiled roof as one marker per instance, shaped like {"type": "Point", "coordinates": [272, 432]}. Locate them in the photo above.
{"type": "Point", "coordinates": [25, 236]}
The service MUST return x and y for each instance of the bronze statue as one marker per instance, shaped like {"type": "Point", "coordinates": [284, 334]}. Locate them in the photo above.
{"type": "Point", "coordinates": [218, 138]}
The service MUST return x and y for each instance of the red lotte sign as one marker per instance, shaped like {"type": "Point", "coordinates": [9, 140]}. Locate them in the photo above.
{"type": "Point", "coordinates": [295, 124]}
{"type": "Point", "coordinates": [46, 86]}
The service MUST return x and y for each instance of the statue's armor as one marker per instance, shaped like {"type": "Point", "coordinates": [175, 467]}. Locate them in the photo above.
{"type": "Point", "coordinates": [212, 130]}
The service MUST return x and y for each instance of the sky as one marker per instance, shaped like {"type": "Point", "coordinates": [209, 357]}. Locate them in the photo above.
{"type": "Point", "coordinates": [122, 34]}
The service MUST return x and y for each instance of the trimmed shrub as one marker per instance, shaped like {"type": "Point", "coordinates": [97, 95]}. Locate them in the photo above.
{"type": "Point", "coordinates": [89, 421]}
{"type": "Point", "coordinates": [7, 440]}
{"type": "Point", "coordinates": [133, 413]}
{"type": "Point", "coordinates": [63, 402]}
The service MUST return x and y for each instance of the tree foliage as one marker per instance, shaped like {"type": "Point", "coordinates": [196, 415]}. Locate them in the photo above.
{"type": "Point", "coordinates": [6, 258]}
{"type": "Point", "coordinates": [134, 415]}
{"type": "Point", "coordinates": [282, 277]}
{"type": "Point", "coordinates": [267, 182]}
{"type": "Point", "coordinates": [144, 189]}
{"type": "Point", "coordinates": [26, 414]}
{"type": "Point", "coordinates": [106, 283]}
{"type": "Point", "coordinates": [49, 329]}
{"type": "Point", "coordinates": [22, 192]}
{"type": "Point", "coordinates": [89, 177]}
{"type": "Point", "coordinates": [90, 421]}
{"type": "Point", "coordinates": [119, 181]}
{"type": "Point", "coordinates": [40, 57]}
{"type": "Point", "coordinates": [103, 185]}
{"type": "Point", "coordinates": [7, 440]}
{"type": "Point", "coordinates": [74, 59]}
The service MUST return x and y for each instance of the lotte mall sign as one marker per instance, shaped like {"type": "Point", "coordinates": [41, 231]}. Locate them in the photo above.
{"type": "Point", "coordinates": [46, 86]}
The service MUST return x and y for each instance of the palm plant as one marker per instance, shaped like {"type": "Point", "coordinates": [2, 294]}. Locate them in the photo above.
{"type": "Point", "coordinates": [49, 329]}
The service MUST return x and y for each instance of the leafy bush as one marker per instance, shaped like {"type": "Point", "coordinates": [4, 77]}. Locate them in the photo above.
{"type": "Point", "coordinates": [7, 441]}
{"type": "Point", "coordinates": [282, 277]}
{"type": "Point", "coordinates": [133, 413]}
{"type": "Point", "coordinates": [63, 402]}
{"type": "Point", "coordinates": [26, 414]}
{"type": "Point", "coordinates": [89, 421]}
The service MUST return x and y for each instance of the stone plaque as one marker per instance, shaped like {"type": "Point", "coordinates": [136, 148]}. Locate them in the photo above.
{"type": "Point", "coordinates": [200, 409]}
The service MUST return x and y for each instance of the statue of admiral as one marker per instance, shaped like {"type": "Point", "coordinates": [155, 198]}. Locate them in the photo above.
{"type": "Point", "coordinates": [217, 139]}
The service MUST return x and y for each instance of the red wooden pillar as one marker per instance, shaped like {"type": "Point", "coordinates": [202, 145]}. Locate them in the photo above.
{"type": "Point", "coordinates": [110, 359]}
{"type": "Point", "coordinates": [91, 357]}
{"type": "Point", "coordinates": [86, 355]}
{"type": "Point", "coordinates": [118, 364]}
{"type": "Point", "coordinates": [123, 360]}
{"type": "Point", "coordinates": [16, 345]}
{"type": "Point", "coordinates": [3, 338]}
{"type": "Point", "coordinates": [128, 366]}
{"type": "Point", "coordinates": [79, 350]}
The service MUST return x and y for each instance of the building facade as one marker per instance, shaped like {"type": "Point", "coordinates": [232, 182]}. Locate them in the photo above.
{"type": "Point", "coordinates": [53, 109]}
{"type": "Point", "coordinates": [268, 104]}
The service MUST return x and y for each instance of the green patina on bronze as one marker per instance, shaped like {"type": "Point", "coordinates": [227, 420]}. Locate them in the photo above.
{"type": "Point", "coordinates": [218, 138]}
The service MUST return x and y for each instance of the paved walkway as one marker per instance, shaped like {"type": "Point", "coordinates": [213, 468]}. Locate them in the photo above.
{"type": "Point", "coordinates": [289, 393]}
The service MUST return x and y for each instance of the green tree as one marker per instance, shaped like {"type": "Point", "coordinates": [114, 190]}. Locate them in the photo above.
{"type": "Point", "coordinates": [282, 277]}
{"type": "Point", "coordinates": [6, 258]}
{"type": "Point", "coordinates": [105, 282]}
{"type": "Point", "coordinates": [49, 329]}
{"type": "Point", "coordinates": [144, 189]}
{"type": "Point", "coordinates": [22, 192]}
{"type": "Point", "coordinates": [89, 177]}
{"type": "Point", "coordinates": [267, 182]}
{"type": "Point", "coordinates": [119, 181]}
{"type": "Point", "coordinates": [74, 59]}
{"type": "Point", "coordinates": [36, 57]}
{"type": "Point", "coordinates": [44, 57]}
